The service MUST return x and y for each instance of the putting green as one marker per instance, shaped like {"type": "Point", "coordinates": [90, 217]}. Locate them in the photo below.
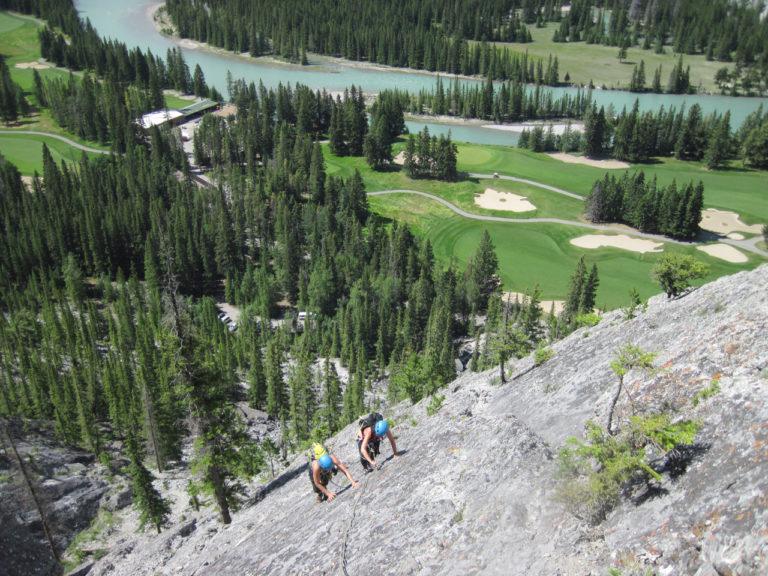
{"type": "Point", "coordinates": [477, 156]}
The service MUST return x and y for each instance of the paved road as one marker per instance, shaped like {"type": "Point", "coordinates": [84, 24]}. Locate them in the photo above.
{"type": "Point", "coordinates": [749, 244]}
{"type": "Point", "coordinates": [58, 137]}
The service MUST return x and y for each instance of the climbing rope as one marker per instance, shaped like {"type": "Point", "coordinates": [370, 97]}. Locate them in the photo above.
{"type": "Point", "coordinates": [349, 526]}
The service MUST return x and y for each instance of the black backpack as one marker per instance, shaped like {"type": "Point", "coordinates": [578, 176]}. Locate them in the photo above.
{"type": "Point", "coordinates": [370, 420]}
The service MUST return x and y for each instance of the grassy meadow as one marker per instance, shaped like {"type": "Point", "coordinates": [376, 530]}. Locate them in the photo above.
{"type": "Point", "coordinates": [600, 64]}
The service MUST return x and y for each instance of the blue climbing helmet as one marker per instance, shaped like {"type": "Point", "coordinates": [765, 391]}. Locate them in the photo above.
{"type": "Point", "coordinates": [381, 427]}
{"type": "Point", "coordinates": [325, 461]}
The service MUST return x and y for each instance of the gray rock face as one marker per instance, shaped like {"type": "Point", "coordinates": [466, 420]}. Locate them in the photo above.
{"type": "Point", "coordinates": [473, 491]}
{"type": "Point", "coordinates": [69, 493]}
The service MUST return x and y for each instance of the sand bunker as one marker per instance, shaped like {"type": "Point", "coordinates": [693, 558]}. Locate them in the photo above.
{"type": "Point", "coordinates": [724, 252]}
{"type": "Point", "coordinates": [545, 305]}
{"type": "Point", "coordinates": [725, 222]}
{"type": "Point", "coordinates": [495, 200]}
{"type": "Point", "coordinates": [37, 65]}
{"type": "Point", "coordinates": [618, 241]}
{"type": "Point", "coordinates": [607, 164]}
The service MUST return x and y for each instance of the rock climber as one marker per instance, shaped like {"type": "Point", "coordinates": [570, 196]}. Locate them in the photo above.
{"type": "Point", "coordinates": [322, 467]}
{"type": "Point", "coordinates": [372, 429]}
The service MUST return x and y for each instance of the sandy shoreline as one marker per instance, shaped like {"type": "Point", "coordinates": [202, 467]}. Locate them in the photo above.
{"type": "Point", "coordinates": [558, 128]}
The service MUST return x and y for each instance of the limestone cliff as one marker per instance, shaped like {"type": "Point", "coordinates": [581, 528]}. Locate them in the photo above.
{"type": "Point", "coordinates": [474, 490]}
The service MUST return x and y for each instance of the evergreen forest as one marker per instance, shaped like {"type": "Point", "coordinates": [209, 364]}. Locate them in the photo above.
{"type": "Point", "coordinates": [483, 37]}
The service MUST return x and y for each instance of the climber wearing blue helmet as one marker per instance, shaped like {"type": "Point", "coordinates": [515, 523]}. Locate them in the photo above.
{"type": "Point", "coordinates": [322, 466]}
{"type": "Point", "coordinates": [372, 429]}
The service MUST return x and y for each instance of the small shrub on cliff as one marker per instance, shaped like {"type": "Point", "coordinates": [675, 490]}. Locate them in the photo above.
{"type": "Point", "coordinates": [593, 472]}
{"type": "Point", "coordinates": [541, 355]}
{"type": "Point", "coordinates": [636, 305]}
{"type": "Point", "coordinates": [435, 404]}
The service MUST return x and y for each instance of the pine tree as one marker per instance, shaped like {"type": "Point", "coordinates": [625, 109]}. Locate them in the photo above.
{"type": "Point", "coordinates": [332, 398]}
{"type": "Point", "coordinates": [719, 147]}
{"type": "Point", "coordinates": [257, 381]}
{"type": "Point", "coordinates": [594, 131]}
{"type": "Point", "coordinates": [73, 278]}
{"type": "Point", "coordinates": [303, 402]}
{"type": "Point", "coordinates": [589, 291]}
{"type": "Point", "coordinates": [438, 346]}
{"type": "Point", "coordinates": [532, 316]}
{"type": "Point", "coordinates": [276, 397]}
{"type": "Point", "coordinates": [353, 404]}
{"type": "Point", "coordinates": [337, 144]}
{"type": "Point", "coordinates": [376, 149]}
{"type": "Point", "coordinates": [755, 147]}
{"type": "Point", "coordinates": [153, 508]}
{"type": "Point", "coordinates": [572, 304]}
{"type": "Point", "coordinates": [199, 86]}
{"type": "Point", "coordinates": [485, 265]}
{"type": "Point", "coordinates": [222, 445]}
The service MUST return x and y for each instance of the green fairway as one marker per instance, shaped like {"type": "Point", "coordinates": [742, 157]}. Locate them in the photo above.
{"type": "Point", "coordinates": [464, 193]}
{"type": "Point", "coordinates": [744, 191]}
{"type": "Point", "coordinates": [18, 39]}
{"type": "Point", "coordinates": [536, 253]}
{"type": "Point", "coordinates": [531, 254]}
{"type": "Point", "coordinates": [521, 163]}
{"type": "Point", "coordinates": [26, 151]}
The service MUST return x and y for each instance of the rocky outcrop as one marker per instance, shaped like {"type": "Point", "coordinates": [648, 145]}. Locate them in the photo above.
{"type": "Point", "coordinates": [70, 491]}
{"type": "Point", "coordinates": [474, 491]}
